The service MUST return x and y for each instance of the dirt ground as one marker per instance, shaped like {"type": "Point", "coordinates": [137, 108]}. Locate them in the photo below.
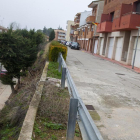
{"type": "Point", "coordinates": [52, 116]}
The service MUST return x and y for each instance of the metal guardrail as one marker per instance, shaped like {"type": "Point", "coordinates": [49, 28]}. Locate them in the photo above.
{"type": "Point", "coordinates": [87, 125]}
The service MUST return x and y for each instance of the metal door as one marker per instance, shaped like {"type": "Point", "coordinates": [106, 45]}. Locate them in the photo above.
{"type": "Point", "coordinates": [119, 49]}
{"type": "Point", "coordinates": [110, 48]}
{"type": "Point", "coordinates": [101, 46]}
{"type": "Point", "coordinates": [137, 59]}
{"type": "Point", "coordinates": [95, 47]}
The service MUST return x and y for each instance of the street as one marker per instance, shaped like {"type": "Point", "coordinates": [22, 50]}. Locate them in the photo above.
{"type": "Point", "coordinates": [114, 92]}
{"type": "Point", "coordinates": [5, 92]}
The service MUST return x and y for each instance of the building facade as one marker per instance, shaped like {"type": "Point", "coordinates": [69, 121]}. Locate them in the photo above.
{"type": "Point", "coordinates": [88, 37]}
{"type": "Point", "coordinates": [69, 23]}
{"type": "Point", "coordinates": [3, 29]}
{"type": "Point", "coordinates": [118, 31]}
{"type": "Point", "coordinates": [60, 35]}
{"type": "Point", "coordinates": [83, 30]}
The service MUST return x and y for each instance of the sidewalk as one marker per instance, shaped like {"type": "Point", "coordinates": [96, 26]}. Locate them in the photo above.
{"type": "Point", "coordinates": [137, 70]}
{"type": "Point", "coordinates": [5, 92]}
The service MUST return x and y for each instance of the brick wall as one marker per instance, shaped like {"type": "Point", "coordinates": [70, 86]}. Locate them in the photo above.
{"type": "Point", "coordinates": [115, 5]}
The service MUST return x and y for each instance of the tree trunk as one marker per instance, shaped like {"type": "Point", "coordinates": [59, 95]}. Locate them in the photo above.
{"type": "Point", "coordinates": [18, 83]}
{"type": "Point", "coordinates": [13, 89]}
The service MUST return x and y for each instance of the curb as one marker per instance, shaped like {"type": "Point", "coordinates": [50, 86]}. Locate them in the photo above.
{"type": "Point", "coordinates": [28, 124]}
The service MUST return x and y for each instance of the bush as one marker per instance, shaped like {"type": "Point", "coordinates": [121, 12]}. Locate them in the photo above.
{"type": "Point", "coordinates": [54, 50]}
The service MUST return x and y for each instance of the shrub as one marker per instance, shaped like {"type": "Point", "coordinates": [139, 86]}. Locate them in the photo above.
{"type": "Point", "coordinates": [54, 50]}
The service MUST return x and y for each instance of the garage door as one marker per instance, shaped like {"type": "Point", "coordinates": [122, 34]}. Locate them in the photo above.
{"type": "Point", "coordinates": [137, 59]}
{"type": "Point", "coordinates": [119, 49]}
{"type": "Point", "coordinates": [110, 49]}
{"type": "Point", "coordinates": [95, 47]}
{"type": "Point", "coordinates": [101, 46]}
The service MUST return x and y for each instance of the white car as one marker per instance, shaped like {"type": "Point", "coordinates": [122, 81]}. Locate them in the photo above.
{"type": "Point", "coordinates": [68, 43]}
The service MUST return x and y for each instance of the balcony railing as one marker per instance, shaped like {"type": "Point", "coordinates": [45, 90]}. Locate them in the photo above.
{"type": "Point", "coordinates": [62, 34]}
{"type": "Point", "coordinates": [104, 27]}
{"type": "Point", "coordinates": [75, 32]}
{"type": "Point", "coordinates": [116, 24]}
{"type": "Point", "coordinates": [130, 21]}
{"type": "Point", "coordinates": [63, 38]}
{"type": "Point", "coordinates": [90, 34]}
{"type": "Point", "coordinates": [90, 19]}
{"type": "Point", "coordinates": [76, 21]}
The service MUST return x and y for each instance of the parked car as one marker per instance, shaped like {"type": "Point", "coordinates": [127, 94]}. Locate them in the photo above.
{"type": "Point", "coordinates": [68, 43]}
{"type": "Point", "coordinates": [3, 72]}
{"type": "Point", "coordinates": [65, 42]}
{"type": "Point", "coordinates": [75, 45]}
{"type": "Point", "coordinates": [62, 42]}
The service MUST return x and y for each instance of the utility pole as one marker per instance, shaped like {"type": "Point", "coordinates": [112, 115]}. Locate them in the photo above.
{"type": "Point", "coordinates": [136, 48]}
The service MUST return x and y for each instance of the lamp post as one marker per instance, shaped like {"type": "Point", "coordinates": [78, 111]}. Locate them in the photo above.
{"type": "Point", "coordinates": [136, 48]}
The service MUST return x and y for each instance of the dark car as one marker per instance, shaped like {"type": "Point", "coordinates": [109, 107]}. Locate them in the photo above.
{"type": "Point", "coordinates": [65, 42]}
{"type": "Point", "coordinates": [70, 44]}
{"type": "Point", "coordinates": [75, 45]}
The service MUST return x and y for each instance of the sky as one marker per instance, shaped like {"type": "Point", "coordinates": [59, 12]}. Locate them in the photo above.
{"type": "Point", "coordinates": [35, 14]}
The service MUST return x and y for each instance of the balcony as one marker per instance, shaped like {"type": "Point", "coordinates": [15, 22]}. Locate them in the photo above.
{"type": "Point", "coordinates": [75, 32]}
{"type": "Point", "coordinates": [116, 24]}
{"type": "Point", "coordinates": [104, 27]}
{"type": "Point", "coordinates": [76, 21]}
{"type": "Point", "coordinates": [130, 21]}
{"type": "Point", "coordinates": [60, 34]}
{"type": "Point", "coordinates": [90, 34]}
{"type": "Point", "coordinates": [90, 19]}
{"type": "Point", "coordinates": [61, 38]}
{"type": "Point", "coordinates": [72, 32]}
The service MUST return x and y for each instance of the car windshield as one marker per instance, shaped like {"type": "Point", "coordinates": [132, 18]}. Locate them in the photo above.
{"type": "Point", "coordinates": [74, 43]}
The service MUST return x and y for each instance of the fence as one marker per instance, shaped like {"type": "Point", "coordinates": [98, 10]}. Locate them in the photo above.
{"type": "Point", "coordinates": [88, 128]}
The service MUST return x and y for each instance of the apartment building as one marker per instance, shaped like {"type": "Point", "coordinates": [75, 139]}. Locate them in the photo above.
{"type": "Point", "coordinates": [118, 31]}
{"type": "Point", "coordinates": [87, 34]}
{"type": "Point", "coordinates": [60, 35]}
{"type": "Point", "coordinates": [83, 30]}
{"type": "Point", "coordinates": [74, 32]}
{"type": "Point", "coordinates": [69, 23]}
{"type": "Point", "coordinates": [3, 29]}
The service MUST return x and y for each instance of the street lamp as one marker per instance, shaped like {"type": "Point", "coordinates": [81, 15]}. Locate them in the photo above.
{"type": "Point", "coordinates": [136, 48]}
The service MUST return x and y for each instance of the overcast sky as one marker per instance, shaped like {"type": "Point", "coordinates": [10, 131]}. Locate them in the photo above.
{"type": "Point", "coordinates": [39, 13]}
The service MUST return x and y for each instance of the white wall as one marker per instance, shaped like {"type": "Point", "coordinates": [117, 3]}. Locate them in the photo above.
{"type": "Point", "coordinates": [83, 17]}
{"type": "Point", "coordinates": [69, 23]}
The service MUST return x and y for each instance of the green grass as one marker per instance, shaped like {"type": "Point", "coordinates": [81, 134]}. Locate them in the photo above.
{"type": "Point", "coordinates": [53, 70]}
{"type": "Point", "coordinates": [56, 43]}
{"type": "Point", "coordinates": [7, 132]}
{"type": "Point", "coordinates": [41, 52]}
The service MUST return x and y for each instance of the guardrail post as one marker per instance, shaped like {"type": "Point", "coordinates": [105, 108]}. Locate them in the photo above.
{"type": "Point", "coordinates": [60, 64]}
{"type": "Point", "coordinates": [58, 57]}
{"type": "Point", "coordinates": [72, 119]}
{"type": "Point", "coordinates": [63, 78]}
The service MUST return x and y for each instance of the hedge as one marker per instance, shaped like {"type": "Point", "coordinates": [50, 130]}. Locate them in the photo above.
{"type": "Point", "coordinates": [55, 48]}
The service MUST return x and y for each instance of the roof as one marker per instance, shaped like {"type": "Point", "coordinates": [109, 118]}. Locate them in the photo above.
{"type": "Point", "coordinates": [3, 28]}
{"type": "Point", "coordinates": [60, 31]}
{"type": "Point", "coordinates": [94, 3]}
{"type": "Point", "coordinates": [78, 14]}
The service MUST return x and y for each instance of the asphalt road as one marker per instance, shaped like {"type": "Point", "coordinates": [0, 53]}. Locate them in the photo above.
{"type": "Point", "coordinates": [113, 90]}
{"type": "Point", "coordinates": [5, 92]}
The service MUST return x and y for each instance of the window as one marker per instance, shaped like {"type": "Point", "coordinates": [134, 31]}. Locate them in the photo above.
{"type": "Point", "coordinates": [112, 16]}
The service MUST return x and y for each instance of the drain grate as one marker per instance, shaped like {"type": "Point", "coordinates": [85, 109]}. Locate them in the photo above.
{"type": "Point", "coordinates": [90, 107]}
{"type": "Point", "coordinates": [119, 73]}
